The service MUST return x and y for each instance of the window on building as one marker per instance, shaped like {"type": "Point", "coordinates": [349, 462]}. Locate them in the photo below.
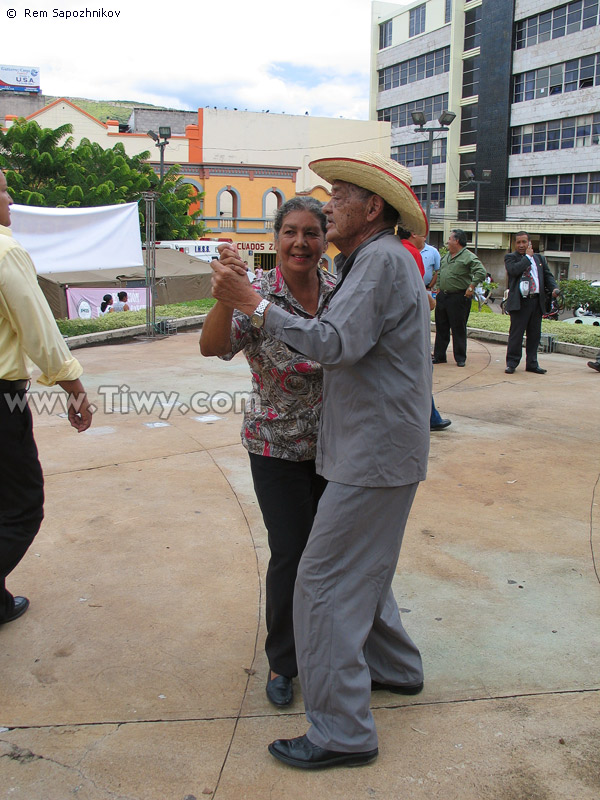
{"type": "Point", "coordinates": [448, 15]}
{"type": "Point", "coordinates": [415, 69]}
{"type": "Point", "coordinates": [400, 116]}
{"type": "Point", "coordinates": [438, 195]}
{"type": "Point", "coordinates": [467, 161]}
{"type": "Point", "coordinates": [468, 125]}
{"type": "Point", "coordinates": [227, 209]}
{"type": "Point", "coordinates": [472, 28]}
{"type": "Point", "coordinates": [466, 209]}
{"type": "Point", "coordinates": [551, 190]}
{"type": "Point", "coordinates": [579, 73]}
{"type": "Point", "coordinates": [416, 154]}
{"type": "Point", "coordinates": [567, 243]}
{"type": "Point", "coordinates": [416, 22]}
{"type": "Point", "coordinates": [385, 34]}
{"type": "Point", "coordinates": [272, 202]}
{"type": "Point", "coordinates": [561, 21]}
{"type": "Point", "coordinates": [470, 77]}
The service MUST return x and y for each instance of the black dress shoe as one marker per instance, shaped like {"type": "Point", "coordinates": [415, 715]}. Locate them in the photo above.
{"type": "Point", "coordinates": [21, 606]}
{"type": "Point", "coordinates": [397, 689]}
{"type": "Point", "coordinates": [435, 360]}
{"type": "Point", "coordinates": [279, 690]}
{"type": "Point", "coordinates": [537, 370]}
{"type": "Point", "coordinates": [460, 363]}
{"type": "Point", "coordinates": [301, 752]}
{"type": "Point", "coordinates": [509, 370]}
{"type": "Point", "coordinates": [594, 365]}
{"type": "Point", "coordinates": [441, 425]}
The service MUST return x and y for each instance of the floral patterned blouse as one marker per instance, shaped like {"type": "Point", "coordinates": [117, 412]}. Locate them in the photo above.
{"type": "Point", "coordinates": [281, 418]}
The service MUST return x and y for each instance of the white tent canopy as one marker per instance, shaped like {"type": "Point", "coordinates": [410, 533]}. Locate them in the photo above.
{"type": "Point", "coordinates": [75, 239]}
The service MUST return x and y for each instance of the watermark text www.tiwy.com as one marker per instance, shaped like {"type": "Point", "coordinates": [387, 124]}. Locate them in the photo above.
{"type": "Point", "coordinates": [123, 400]}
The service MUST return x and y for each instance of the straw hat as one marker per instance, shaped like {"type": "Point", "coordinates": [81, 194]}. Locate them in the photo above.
{"type": "Point", "coordinates": [380, 175]}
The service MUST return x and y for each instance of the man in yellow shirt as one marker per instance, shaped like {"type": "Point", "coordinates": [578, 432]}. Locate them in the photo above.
{"type": "Point", "coordinates": [28, 333]}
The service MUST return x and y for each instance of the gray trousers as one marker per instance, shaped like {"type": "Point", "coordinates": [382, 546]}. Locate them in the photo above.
{"type": "Point", "coordinates": [346, 621]}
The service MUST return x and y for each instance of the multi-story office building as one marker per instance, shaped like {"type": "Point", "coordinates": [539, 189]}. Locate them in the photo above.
{"type": "Point", "coordinates": [523, 78]}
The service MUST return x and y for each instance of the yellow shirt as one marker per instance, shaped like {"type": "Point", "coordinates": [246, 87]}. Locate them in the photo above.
{"type": "Point", "coordinates": [28, 331]}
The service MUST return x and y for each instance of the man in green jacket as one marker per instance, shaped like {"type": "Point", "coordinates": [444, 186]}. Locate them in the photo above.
{"type": "Point", "coordinates": [460, 272]}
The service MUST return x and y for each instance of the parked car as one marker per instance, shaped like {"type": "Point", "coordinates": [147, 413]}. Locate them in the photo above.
{"type": "Point", "coordinates": [586, 319]}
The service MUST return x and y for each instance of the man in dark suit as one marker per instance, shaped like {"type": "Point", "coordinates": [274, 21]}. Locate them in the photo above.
{"type": "Point", "coordinates": [528, 278]}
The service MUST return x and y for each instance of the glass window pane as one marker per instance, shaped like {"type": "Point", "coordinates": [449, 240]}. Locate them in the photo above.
{"type": "Point", "coordinates": [545, 27]}
{"type": "Point", "coordinates": [532, 29]}
{"type": "Point", "coordinates": [574, 16]}
{"type": "Point", "coordinates": [559, 21]}
{"type": "Point", "coordinates": [590, 13]}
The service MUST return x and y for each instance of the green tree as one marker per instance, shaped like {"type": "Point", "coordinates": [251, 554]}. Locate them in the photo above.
{"type": "Point", "coordinates": [578, 293]}
{"type": "Point", "coordinates": [43, 168]}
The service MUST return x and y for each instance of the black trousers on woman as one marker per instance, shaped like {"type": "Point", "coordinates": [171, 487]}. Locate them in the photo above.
{"type": "Point", "coordinates": [21, 490]}
{"type": "Point", "coordinates": [288, 493]}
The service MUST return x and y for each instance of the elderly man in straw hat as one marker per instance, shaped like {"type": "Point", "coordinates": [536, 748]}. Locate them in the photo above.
{"type": "Point", "coordinates": [374, 345]}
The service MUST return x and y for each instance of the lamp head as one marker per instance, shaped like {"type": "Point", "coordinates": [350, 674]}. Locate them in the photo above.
{"type": "Point", "coordinates": [446, 117]}
{"type": "Point", "coordinates": [152, 135]}
{"type": "Point", "coordinates": [418, 117]}
{"type": "Point", "coordinates": [469, 174]}
{"type": "Point", "coordinates": [164, 132]}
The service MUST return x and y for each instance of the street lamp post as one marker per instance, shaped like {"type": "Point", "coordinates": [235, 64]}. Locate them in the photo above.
{"type": "Point", "coordinates": [161, 140]}
{"type": "Point", "coordinates": [486, 178]}
{"type": "Point", "coordinates": [445, 119]}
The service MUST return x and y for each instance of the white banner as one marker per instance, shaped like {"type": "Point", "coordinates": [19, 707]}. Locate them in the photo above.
{"type": "Point", "coordinates": [84, 301]}
{"type": "Point", "coordinates": [76, 239]}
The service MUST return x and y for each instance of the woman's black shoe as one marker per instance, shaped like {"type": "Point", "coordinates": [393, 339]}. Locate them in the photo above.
{"type": "Point", "coordinates": [21, 606]}
{"type": "Point", "coordinates": [279, 690]}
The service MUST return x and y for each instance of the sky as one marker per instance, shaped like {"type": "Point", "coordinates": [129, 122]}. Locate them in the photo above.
{"type": "Point", "coordinates": [282, 56]}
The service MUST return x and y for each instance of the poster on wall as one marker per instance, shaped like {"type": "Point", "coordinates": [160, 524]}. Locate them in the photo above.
{"type": "Point", "coordinates": [85, 303]}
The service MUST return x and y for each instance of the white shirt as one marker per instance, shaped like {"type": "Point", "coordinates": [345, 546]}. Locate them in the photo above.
{"type": "Point", "coordinates": [534, 275]}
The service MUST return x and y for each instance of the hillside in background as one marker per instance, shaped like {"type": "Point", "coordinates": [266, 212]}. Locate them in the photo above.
{"type": "Point", "coordinates": [107, 109]}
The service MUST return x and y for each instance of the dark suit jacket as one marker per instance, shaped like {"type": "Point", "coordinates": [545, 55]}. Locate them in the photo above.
{"type": "Point", "coordinates": [515, 266]}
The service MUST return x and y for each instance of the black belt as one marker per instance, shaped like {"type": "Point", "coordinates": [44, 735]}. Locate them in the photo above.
{"type": "Point", "coordinates": [461, 291]}
{"type": "Point", "coordinates": [13, 386]}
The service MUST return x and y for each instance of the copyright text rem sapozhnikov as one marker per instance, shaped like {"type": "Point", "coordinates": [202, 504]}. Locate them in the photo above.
{"type": "Point", "coordinates": [83, 13]}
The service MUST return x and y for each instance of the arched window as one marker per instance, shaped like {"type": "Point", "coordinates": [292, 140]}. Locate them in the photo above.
{"type": "Point", "coordinates": [228, 207]}
{"type": "Point", "coordinates": [272, 200]}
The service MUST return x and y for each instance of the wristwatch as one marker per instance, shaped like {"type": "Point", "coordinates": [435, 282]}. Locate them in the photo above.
{"type": "Point", "coordinates": [257, 318]}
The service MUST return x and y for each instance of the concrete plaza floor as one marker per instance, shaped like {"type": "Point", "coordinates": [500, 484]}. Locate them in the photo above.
{"type": "Point", "coordinates": [138, 673]}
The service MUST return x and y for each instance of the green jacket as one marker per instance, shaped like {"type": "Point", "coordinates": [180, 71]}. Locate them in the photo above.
{"type": "Point", "coordinates": [460, 271]}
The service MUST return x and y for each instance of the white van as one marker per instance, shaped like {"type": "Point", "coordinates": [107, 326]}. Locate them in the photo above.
{"type": "Point", "coordinates": [202, 249]}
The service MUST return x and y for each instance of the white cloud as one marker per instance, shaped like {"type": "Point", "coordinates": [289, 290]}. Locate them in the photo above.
{"type": "Point", "coordinates": [187, 55]}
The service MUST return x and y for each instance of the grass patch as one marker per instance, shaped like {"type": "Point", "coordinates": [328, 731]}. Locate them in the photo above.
{"type": "Point", "coordinates": [485, 320]}
{"type": "Point", "coordinates": [564, 331]}
{"type": "Point", "coordinates": [127, 319]}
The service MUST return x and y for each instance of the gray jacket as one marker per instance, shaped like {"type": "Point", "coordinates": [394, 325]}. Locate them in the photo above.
{"type": "Point", "coordinates": [374, 345]}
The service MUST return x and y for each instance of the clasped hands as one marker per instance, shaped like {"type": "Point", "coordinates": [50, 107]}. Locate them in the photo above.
{"type": "Point", "coordinates": [229, 282]}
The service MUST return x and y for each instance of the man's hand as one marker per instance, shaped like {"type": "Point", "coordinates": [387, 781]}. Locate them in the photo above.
{"type": "Point", "coordinates": [529, 249]}
{"type": "Point", "coordinates": [230, 258]}
{"type": "Point", "coordinates": [556, 292]}
{"type": "Point", "coordinates": [470, 291]}
{"type": "Point", "coordinates": [230, 284]}
{"type": "Point", "coordinates": [78, 407]}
